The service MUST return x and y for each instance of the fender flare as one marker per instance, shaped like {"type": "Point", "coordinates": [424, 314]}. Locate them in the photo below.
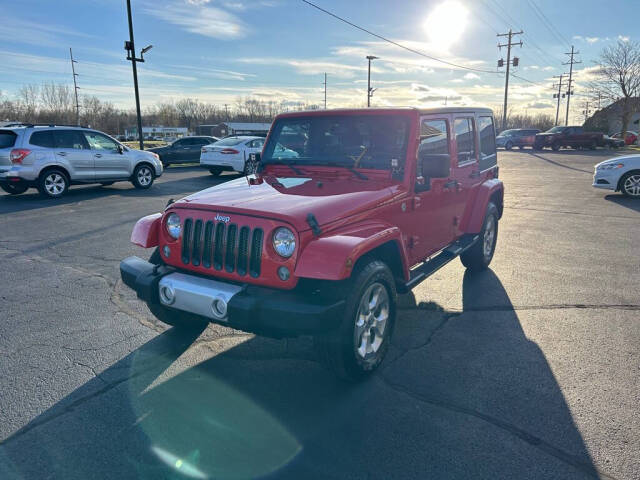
{"type": "Point", "coordinates": [146, 231]}
{"type": "Point", "coordinates": [333, 257]}
{"type": "Point", "coordinates": [476, 207]}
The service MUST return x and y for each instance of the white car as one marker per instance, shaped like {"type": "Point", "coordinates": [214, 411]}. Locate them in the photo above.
{"type": "Point", "coordinates": [230, 154]}
{"type": "Point", "coordinates": [619, 174]}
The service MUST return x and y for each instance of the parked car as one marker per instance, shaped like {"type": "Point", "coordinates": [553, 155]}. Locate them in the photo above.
{"type": "Point", "coordinates": [574, 137]}
{"type": "Point", "coordinates": [51, 158]}
{"type": "Point", "coordinates": [321, 244]}
{"type": "Point", "coordinates": [620, 174]}
{"type": "Point", "coordinates": [183, 150]}
{"type": "Point", "coordinates": [517, 137]}
{"type": "Point", "coordinates": [230, 154]}
{"type": "Point", "coordinates": [630, 138]}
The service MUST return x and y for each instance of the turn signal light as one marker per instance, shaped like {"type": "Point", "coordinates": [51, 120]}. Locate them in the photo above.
{"type": "Point", "coordinates": [18, 154]}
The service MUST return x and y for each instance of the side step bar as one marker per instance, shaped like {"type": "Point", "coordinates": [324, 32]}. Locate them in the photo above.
{"type": "Point", "coordinates": [432, 265]}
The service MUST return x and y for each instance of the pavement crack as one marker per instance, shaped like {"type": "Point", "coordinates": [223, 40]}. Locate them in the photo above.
{"type": "Point", "coordinates": [523, 435]}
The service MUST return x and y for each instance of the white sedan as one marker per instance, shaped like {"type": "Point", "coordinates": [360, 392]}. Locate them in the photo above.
{"type": "Point", "coordinates": [619, 174]}
{"type": "Point", "coordinates": [230, 154]}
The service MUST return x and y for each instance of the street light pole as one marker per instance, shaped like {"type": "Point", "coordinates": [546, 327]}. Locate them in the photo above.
{"type": "Point", "coordinates": [369, 89]}
{"type": "Point", "coordinates": [130, 47]}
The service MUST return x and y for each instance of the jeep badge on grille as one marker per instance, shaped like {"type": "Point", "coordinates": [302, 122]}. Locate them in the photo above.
{"type": "Point", "coordinates": [221, 218]}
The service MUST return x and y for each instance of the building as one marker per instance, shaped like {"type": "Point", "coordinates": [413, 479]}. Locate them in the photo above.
{"type": "Point", "coordinates": [609, 119]}
{"type": "Point", "coordinates": [234, 128]}
{"type": "Point", "coordinates": [159, 132]}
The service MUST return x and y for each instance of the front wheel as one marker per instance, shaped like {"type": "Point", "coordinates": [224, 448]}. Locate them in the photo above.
{"type": "Point", "coordinates": [593, 145]}
{"type": "Point", "coordinates": [508, 145]}
{"type": "Point", "coordinates": [14, 189]}
{"type": "Point", "coordinates": [53, 183]}
{"type": "Point", "coordinates": [358, 346]}
{"type": "Point", "coordinates": [630, 185]}
{"type": "Point", "coordinates": [215, 171]}
{"type": "Point", "coordinates": [479, 256]}
{"type": "Point", "coordinates": [142, 176]}
{"type": "Point", "coordinates": [555, 147]}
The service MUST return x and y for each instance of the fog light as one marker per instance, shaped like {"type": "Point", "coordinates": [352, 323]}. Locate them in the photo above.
{"type": "Point", "coordinates": [166, 250]}
{"type": "Point", "coordinates": [219, 308]}
{"type": "Point", "coordinates": [167, 295]}
{"type": "Point", "coordinates": [283, 273]}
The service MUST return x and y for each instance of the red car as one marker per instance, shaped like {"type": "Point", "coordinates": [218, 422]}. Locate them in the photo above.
{"type": "Point", "coordinates": [320, 241]}
{"type": "Point", "coordinates": [630, 138]}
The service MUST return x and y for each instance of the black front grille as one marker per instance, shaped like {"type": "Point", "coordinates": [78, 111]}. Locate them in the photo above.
{"type": "Point", "coordinates": [221, 246]}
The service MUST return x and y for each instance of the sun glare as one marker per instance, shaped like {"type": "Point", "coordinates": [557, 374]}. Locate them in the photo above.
{"type": "Point", "coordinates": [446, 23]}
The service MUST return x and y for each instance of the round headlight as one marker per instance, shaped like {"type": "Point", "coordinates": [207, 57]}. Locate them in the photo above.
{"type": "Point", "coordinates": [173, 225]}
{"type": "Point", "coordinates": [284, 242]}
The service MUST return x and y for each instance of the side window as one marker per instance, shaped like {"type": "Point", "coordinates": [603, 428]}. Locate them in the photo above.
{"type": "Point", "coordinates": [68, 139]}
{"type": "Point", "coordinates": [180, 143]}
{"type": "Point", "coordinates": [97, 141]}
{"type": "Point", "coordinates": [257, 143]}
{"type": "Point", "coordinates": [434, 160]}
{"type": "Point", "coordinates": [42, 139]}
{"type": "Point", "coordinates": [465, 139]}
{"type": "Point", "coordinates": [488, 156]}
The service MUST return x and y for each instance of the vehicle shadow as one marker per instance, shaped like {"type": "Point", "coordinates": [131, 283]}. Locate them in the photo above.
{"type": "Point", "coordinates": [559, 164]}
{"type": "Point", "coordinates": [165, 186]}
{"type": "Point", "coordinates": [463, 394]}
{"type": "Point", "coordinates": [623, 201]}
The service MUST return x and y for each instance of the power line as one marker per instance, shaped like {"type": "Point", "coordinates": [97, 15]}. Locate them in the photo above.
{"type": "Point", "coordinates": [547, 23]}
{"type": "Point", "coordinates": [417, 52]}
{"type": "Point", "coordinates": [525, 79]}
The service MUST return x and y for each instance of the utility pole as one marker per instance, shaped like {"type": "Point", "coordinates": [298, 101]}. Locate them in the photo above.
{"type": "Point", "coordinates": [226, 111]}
{"type": "Point", "coordinates": [369, 89]}
{"type": "Point", "coordinates": [75, 86]}
{"type": "Point", "coordinates": [586, 111]}
{"type": "Point", "coordinates": [325, 90]}
{"type": "Point", "coordinates": [515, 62]}
{"type": "Point", "coordinates": [558, 95]}
{"type": "Point", "coordinates": [571, 62]}
{"type": "Point", "coordinates": [129, 46]}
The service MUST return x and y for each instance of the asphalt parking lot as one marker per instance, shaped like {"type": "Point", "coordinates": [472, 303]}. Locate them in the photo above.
{"type": "Point", "coordinates": [529, 370]}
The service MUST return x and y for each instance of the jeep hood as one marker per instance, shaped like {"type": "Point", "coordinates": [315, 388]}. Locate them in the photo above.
{"type": "Point", "coordinates": [291, 199]}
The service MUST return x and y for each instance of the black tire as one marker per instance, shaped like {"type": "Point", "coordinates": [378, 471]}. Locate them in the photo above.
{"type": "Point", "coordinates": [479, 256]}
{"type": "Point", "coordinates": [175, 318]}
{"type": "Point", "coordinates": [508, 145]}
{"type": "Point", "coordinates": [339, 349]}
{"type": "Point", "coordinates": [593, 145]}
{"type": "Point", "coordinates": [629, 184]}
{"type": "Point", "coordinates": [143, 176]}
{"type": "Point", "coordinates": [215, 171]}
{"type": "Point", "coordinates": [106, 184]}
{"type": "Point", "coordinates": [14, 189]}
{"type": "Point", "coordinates": [521, 147]}
{"type": "Point", "coordinates": [53, 183]}
{"type": "Point", "coordinates": [555, 146]}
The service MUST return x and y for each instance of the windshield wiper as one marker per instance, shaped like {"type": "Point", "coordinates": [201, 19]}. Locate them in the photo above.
{"type": "Point", "coordinates": [280, 162]}
{"type": "Point", "coordinates": [358, 174]}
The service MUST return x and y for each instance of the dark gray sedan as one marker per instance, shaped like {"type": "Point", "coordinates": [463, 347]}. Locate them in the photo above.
{"type": "Point", "coordinates": [183, 150]}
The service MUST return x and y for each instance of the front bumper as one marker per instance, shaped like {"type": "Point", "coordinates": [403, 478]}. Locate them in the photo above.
{"type": "Point", "coordinates": [264, 311]}
{"type": "Point", "coordinates": [605, 179]}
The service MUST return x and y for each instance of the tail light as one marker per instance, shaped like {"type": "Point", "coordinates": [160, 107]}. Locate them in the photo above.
{"type": "Point", "coordinates": [203, 150]}
{"type": "Point", "coordinates": [18, 154]}
{"type": "Point", "coordinates": [229, 151]}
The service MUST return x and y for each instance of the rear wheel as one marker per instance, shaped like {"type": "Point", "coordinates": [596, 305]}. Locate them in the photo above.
{"type": "Point", "coordinates": [53, 183]}
{"type": "Point", "coordinates": [14, 189]}
{"type": "Point", "coordinates": [142, 176]}
{"type": "Point", "coordinates": [630, 185]}
{"type": "Point", "coordinates": [521, 147]}
{"type": "Point", "coordinates": [358, 346]}
{"type": "Point", "coordinates": [479, 256]}
{"type": "Point", "coordinates": [555, 146]}
{"type": "Point", "coordinates": [593, 145]}
{"type": "Point", "coordinates": [508, 145]}
{"type": "Point", "coordinates": [215, 171]}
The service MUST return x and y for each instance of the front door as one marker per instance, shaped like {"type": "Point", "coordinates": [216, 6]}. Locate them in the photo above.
{"type": "Point", "coordinates": [110, 162]}
{"type": "Point", "coordinates": [71, 149]}
{"type": "Point", "coordinates": [431, 226]}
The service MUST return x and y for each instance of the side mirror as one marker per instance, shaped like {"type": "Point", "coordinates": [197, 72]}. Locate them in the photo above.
{"type": "Point", "coordinates": [120, 149]}
{"type": "Point", "coordinates": [436, 165]}
{"type": "Point", "coordinates": [254, 157]}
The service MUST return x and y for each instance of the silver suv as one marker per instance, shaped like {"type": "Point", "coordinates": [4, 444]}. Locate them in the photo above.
{"type": "Point", "coordinates": [52, 157]}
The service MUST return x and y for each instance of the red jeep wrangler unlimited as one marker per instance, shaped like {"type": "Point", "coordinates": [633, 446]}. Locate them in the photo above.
{"type": "Point", "coordinates": [329, 230]}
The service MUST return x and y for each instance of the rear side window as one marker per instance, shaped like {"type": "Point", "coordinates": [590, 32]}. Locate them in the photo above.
{"type": "Point", "coordinates": [68, 139]}
{"type": "Point", "coordinates": [7, 139]}
{"type": "Point", "coordinates": [488, 156]}
{"type": "Point", "coordinates": [228, 142]}
{"type": "Point", "coordinates": [42, 139]}
{"type": "Point", "coordinates": [465, 139]}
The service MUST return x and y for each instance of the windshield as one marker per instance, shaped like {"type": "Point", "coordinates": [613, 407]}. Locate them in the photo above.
{"type": "Point", "coordinates": [556, 130]}
{"type": "Point", "coordinates": [507, 133]}
{"type": "Point", "coordinates": [359, 141]}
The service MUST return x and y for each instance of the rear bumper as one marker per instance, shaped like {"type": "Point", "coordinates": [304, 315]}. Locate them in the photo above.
{"type": "Point", "coordinates": [18, 181]}
{"type": "Point", "coordinates": [264, 311]}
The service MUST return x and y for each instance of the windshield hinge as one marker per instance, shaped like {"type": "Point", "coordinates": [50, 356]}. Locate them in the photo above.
{"type": "Point", "coordinates": [313, 223]}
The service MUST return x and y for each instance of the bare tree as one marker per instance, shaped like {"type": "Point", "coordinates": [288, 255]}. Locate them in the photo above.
{"type": "Point", "coordinates": [618, 76]}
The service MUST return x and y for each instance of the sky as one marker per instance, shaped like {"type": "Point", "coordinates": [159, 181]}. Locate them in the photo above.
{"type": "Point", "coordinates": [220, 50]}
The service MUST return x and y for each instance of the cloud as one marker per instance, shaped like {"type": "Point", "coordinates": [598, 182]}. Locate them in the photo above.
{"type": "Point", "coordinates": [471, 76]}
{"type": "Point", "coordinates": [198, 18]}
{"type": "Point", "coordinates": [592, 39]}
{"type": "Point", "coordinates": [623, 38]}
{"type": "Point", "coordinates": [312, 67]}
{"type": "Point", "coordinates": [235, 6]}
{"type": "Point", "coordinates": [538, 105]}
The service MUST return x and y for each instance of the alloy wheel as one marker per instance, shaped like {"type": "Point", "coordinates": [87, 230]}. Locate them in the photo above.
{"type": "Point", "coordinates": [371, 320]}
{"type": "Point", "coordinates": [489, 236]}
{"type": "Point", "coordinates": [631, 185]}
{"type": "Point", "coordinates": [54, 184]}
{"type": "Point", "coordinates": [144, 176]}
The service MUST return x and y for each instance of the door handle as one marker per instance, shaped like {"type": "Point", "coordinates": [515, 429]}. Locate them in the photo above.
{"type": "Point", "coordinates": [62, 154]}
{"type": "Point", "coordinates": [449, 185]}
{"type": "Point", "coordinates": [98, 155]}
{"type": "Point", "coordinates": [475, 174]}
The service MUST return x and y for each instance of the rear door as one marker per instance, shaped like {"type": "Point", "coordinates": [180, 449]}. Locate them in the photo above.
{"type": "Point", "coordinates": [109, 163]}
{"type": "Point", "coordinates": [7, 142]}
{"type": "Point", "coordinates": [72, 151]}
